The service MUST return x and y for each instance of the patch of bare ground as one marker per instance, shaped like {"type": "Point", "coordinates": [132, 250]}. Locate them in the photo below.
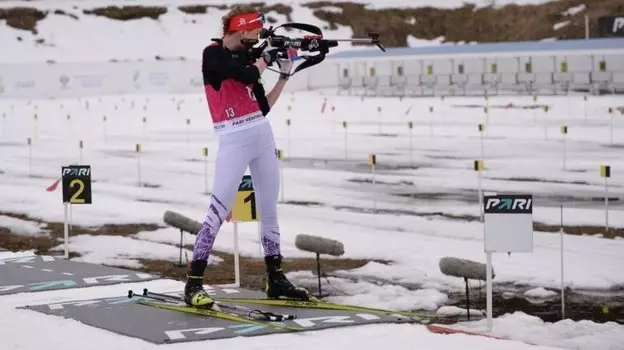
{"type": "Point", "coordinates": [467, 23]}
{"type": "Point", "coordinates": [252, 269]}
{"type": "Point", "coordinates": [56, 229]}
{"type": "Point", "coordinates": [126, 13]}
{"type": "Point", "coordinates": [24, 18]}
{"type": "Point", "coordinates": [581, 230]}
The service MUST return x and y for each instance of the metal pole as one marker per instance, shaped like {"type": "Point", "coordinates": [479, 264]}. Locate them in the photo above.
{"type": "Point", "coordinates": [318, 272]}
{"type": "Point", "coordinates": [611, 129]}
{"type": "Point", "coordinates": [562, 280]}
{"type": "Point", "coordinates": [467, 298]}
{"type": "Point", "coordinates": [606, 205]}
{"type": "Point", "coordinates": [236, 258]}
{"type": "Point", "coordinates": [181, 244]}
{"type": "Point", "coordinates": [482, 148]}
{"type": "Point", "coordinates": [71, 220]}
{"type": "Point", "coordinates": [480, 193]}
{"type": "Point", "coordinates": [586, 26]}
{"type": "Point", "coordinates": [374, 190]}
{"type": "Point", "coordinates": [489, 290]}
{"type": "Point", "coordinates": [206, 174]}
{"type": "Point", "coordinates": [564, 151]}
{"type": "Point", "coordinates": [346, 145]}
{"type": "Point", "coordinates": [411, 147]}
{"type": "Point", "coordinates": [259, 239]}
{"type": "Point", "coordinates": [281, 169]}
{"type": "Point", "coordinates": [66, 228]}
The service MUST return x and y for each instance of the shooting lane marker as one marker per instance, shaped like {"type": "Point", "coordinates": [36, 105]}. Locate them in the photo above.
{"type": "Point", "coordinates": [205, 153]}
{"type": "Point", "coordinates": [479, 166]}
{"type": "Point", "coordinates": [481, 132]}
{"type": "Point", "coordinates": [564, 132]}
{"type": "Point", "coordinates": [280, 156]}
{"type": "Point", "coordinates": [188, 132]}
{"type": "Point", "coordinates": [29, 142]}
{"type": "Point", "coordinates": [430, 121]}
{"type": "Point", "coordinates": [104, 119]}
{"type": "Point", "coordinates": [605, 171]}
{"type": "Point", "coordinates": [545, 108]}
{"type": "Point", "coordinates": [372, 161]}
{"type": "Point", "coordinates": [288, 135]}
{"type": "Point", "coordinates": [410, 127]}
{"type": "Point", "coordinates": [137, 149]}
{"type": "Point", "coordinates": [344, 126]}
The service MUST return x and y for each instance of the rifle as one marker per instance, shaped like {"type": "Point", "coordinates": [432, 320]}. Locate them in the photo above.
{"type": "Point", "coordinates": [309, 43]}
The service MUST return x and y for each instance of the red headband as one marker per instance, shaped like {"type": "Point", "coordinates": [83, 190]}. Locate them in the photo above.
{"type": "Point", "coordinates": [246, 21]}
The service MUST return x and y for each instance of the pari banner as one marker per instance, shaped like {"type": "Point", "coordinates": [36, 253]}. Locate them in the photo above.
{"type": "Point", "coordinates": [612, 26]}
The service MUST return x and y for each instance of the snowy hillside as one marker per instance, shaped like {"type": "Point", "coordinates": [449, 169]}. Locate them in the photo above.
{"type": "Point", "coordinates": [69, 31]}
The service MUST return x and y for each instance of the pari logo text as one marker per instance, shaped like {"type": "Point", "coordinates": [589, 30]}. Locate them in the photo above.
{"type": "Point", "coordinates": [509, 204]}
{"type": "Point", "coordinates": [77, 171]}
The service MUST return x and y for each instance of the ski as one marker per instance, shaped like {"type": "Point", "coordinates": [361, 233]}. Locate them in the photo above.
{"type": "Point", "coordinates": [423, 317]}
{"type": "Point", "coordinates": [251, 316]}
{"type": "Point", "coordinates": [217, 314]}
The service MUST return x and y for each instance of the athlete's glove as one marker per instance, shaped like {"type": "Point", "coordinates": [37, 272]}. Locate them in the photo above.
{"type": "Point", "coordinates": [286, 63]}
{"type": "Point", "coordinates": [270, 56]}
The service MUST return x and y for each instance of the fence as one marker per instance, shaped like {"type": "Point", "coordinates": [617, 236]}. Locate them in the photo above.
{"type": "Point", "coordinates": [556, 67]}
{"type": "Point", "coordinates": [595, 66]}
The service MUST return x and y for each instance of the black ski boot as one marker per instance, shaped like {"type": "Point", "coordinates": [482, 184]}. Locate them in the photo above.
{"type": "Point", "coordinates": [194, 293]}
{"type": "Point", "coordinates": [277, 285]}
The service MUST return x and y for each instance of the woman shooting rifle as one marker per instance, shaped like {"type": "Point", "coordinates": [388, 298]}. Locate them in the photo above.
{"type": "Point", "coordinates": [238, 105]}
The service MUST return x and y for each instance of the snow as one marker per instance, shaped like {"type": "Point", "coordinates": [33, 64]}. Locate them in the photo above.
{"type": "Point", "coordinates": [391, 297]}
{"type": "Point", "coordinates": [445, 143]}
{"type": "Point", "coordinates": [21, 227]}
{"type": "Point", "coordinates": [457, 311]}
{"type": "Point", "coordinates": [566, 334]}
{"type": "Point", "coordinates": [539, 293]}
{"type": "Point", "coordinates": [560, 25]}
{"type": "Point", "coordinates": [517, 144]}
{"type": "Point", "coordinates": [572, 11]}
{"type": "Point", "coordinates": [124, 251]}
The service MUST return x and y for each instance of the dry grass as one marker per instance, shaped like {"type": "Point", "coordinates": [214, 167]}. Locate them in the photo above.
{"type": "Point", "coordinates": [24, 18]}
{"type": "Point", "coordinates": [252, 270]}
{"type": "Point", "coordinates": [127, 13]}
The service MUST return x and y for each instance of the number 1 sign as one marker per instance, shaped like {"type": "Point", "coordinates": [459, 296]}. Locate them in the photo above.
{"type": "Point", "coordinates": [244, 210]}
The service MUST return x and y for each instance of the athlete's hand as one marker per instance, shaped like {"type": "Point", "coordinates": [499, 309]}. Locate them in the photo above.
{"type": "Point", "coordinates": [285, 64]}
{"type": "Point", "coordinates": [270, 56]}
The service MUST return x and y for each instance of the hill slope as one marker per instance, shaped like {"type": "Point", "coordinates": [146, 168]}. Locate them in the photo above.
{"type": "Point", "coordinates": [105, 30]}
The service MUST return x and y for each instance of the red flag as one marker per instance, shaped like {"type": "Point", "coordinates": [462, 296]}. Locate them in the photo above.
{"type": "Point", "coordinates": [53, 187]}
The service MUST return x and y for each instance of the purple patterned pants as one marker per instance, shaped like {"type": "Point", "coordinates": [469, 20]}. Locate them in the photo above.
{"type": "Point", "coordinates": [253, 147]}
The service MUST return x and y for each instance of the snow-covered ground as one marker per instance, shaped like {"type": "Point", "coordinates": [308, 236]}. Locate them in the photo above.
{"type": "Point", "coordinates": [517, 144]}
{"type": "Point", "coordinates": [521, 330]}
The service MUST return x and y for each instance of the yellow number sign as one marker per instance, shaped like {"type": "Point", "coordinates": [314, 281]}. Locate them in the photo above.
{"type": "Point", "coordinates": [245, 205]}
{"type": "Point", "coordinates": [76, 184]}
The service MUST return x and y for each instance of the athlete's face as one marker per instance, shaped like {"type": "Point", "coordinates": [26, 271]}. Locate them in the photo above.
{"type": "Point", "coordinates": [251, 34]}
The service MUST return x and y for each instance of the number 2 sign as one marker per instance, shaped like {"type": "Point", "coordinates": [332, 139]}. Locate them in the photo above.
{"type": "Point", "coordinates": [76, 184]}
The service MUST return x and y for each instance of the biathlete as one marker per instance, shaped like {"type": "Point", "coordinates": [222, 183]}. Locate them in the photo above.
{"type": "Point", "coordinates": [238, 105]}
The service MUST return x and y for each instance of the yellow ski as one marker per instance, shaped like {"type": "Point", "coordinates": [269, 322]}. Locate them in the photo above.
{"type": "Point", "coordinates": [217, 314]}
{"type": "Point", "coordinates": [318, 304]}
